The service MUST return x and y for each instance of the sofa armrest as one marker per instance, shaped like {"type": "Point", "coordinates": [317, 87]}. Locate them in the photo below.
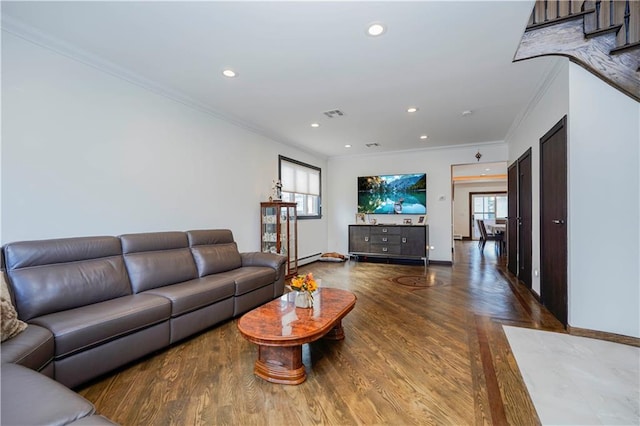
{"type": "Point", "coordinates": [33, 348]}
{"type": "Point", "coordinates": [29, 398]}
{"type": "Point", "coordinates": [271, 260]}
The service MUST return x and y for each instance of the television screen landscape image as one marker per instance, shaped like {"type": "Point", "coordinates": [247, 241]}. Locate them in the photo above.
{"type": "Point", "coordinates": [393, 194]}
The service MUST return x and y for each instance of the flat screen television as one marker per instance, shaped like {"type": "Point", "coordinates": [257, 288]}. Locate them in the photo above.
{"type": "Point", "coordinates": [393, 194]}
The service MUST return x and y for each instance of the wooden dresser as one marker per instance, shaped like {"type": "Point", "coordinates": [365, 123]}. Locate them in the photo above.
{"type": "Point", "coordinates": [390, 241]}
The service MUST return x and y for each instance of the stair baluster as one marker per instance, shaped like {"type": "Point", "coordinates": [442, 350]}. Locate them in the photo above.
{"type": "Point", "coordinates": [611, 13]}
{"type": "Point", "coordinates": [546, 5]}
{"type": "Point", "coordinates": [627, 15]}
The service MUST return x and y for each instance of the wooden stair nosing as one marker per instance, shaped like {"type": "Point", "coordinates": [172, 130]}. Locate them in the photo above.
{"type": "Point", "coordinates": [625, 48]}
{"type": "Point", "coordinates": [595, 33]}
{"type": "Point", "coordinates": [576, 15]}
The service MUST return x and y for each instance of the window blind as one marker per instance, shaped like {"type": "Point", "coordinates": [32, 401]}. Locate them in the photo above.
{"type": "Point", "coordinates": [299, 179]}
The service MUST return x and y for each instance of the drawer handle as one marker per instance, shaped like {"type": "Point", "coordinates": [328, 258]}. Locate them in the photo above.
{"type": "Point", "coordinates": [404, 240]}
{"type": "Point", "coordinates": [384, 239]}
{"type": "Point", "coordinates": [384, 249]}
{"type": "Point", "coordinates": [366, 238]}
{"type": "Point", "coordinates": [384, 229]}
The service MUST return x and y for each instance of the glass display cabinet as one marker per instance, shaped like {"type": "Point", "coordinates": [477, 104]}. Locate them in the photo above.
{"type": "Point", "coordinates": [279, 229]}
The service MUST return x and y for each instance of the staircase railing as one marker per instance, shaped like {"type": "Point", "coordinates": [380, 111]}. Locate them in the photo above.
{"type": "Point", "coordinates": [602, 36]}
{"type": "Point", "coordinates": [600, 16]}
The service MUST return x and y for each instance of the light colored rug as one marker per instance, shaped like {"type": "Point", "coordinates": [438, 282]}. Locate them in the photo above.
{"type": "Point", "coordinates": [576, 380]}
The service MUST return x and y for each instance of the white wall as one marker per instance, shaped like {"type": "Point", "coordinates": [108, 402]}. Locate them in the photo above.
{"type": "Point", "coordinates": [342, 202]}
{"type": "Point", "coordinates": [604, 206]}
{"type": "Point", "coordinates": [461, 191]}
{"type": "Point", "coordinates": [604, 196]}
{"type": "Point", "coordinates": [545, 111]}
{"type": "Point", "coordinates": [87, 153]}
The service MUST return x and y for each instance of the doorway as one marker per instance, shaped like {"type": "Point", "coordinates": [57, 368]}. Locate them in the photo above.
{"type": "Point", "coordinates": [512, 219]}
{"type": "Point", "coordinates": [553, 216]}
{"type": "Point", "coordinates": [488, 179]}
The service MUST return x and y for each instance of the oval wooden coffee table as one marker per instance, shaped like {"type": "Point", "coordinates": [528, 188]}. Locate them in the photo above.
{"type": "Point", "coordinates": [280, 329]}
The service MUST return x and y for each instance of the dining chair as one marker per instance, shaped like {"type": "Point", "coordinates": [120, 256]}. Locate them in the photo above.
{"type": "Point", "coordinates": [484, 237]}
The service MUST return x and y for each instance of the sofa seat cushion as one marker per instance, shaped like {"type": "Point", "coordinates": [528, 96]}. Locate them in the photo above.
{"type": "Point", "coordinates": [29, 398]}
{"type": "Point", "coordinates": [194, 294]}
{"type": "Point", "coordinates": [81, 328]}
{"type": "Point", "coordinates": [249, 278]}
{"type": "Point", "coordinates": [32, 348]}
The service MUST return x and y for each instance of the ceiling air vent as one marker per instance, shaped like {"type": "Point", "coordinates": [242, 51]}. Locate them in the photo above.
{"type": "Point", "coordinates": [333, 113]}
{"type": "Point", "coordinates": [371, 145]}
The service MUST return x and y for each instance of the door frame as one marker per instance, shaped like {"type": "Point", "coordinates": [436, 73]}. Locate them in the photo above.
{"type": "Point", "coordinates": [512, 218]}
{"type": "Point", "coordinates": [525, 220]}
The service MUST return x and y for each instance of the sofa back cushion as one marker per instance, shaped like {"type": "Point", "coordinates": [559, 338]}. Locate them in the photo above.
{"type": "Point", "coordinates": [157, 259]}
{"type": "Point", "coordinates": [49, 276]}
{"type": "Point", "coordinates": [209, 236]}
{"type": "Point", "coordinates": [214, 251]}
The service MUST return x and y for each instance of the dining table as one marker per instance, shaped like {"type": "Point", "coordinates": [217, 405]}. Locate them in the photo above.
{"type": "Point", "coordinates": [496, 228]}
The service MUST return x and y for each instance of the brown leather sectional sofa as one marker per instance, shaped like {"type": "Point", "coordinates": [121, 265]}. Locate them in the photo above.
{"type": "Point", "coordinates": [96, 303]}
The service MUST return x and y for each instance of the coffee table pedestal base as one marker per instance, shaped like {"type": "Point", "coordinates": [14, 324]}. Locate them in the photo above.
{"type": "Point", "coordinates": [336, 333]}
{"type": "Point", "coordinates": [280, 364]}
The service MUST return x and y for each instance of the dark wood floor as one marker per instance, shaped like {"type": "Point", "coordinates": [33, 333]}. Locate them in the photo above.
{"type": "Point", "coordinates": [422, 347]}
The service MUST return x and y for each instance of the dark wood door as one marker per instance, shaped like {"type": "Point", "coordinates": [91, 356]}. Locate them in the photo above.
{"type": "Point", "coordinates": [524, 218]}
{"type": "Point", "coordinates": [553, 217]}
{"type": "Point", "coordinates": [512, 221]}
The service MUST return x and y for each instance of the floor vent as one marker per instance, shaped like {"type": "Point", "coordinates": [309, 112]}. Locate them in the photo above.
{"type": "Point", "coordinates": [334, 113]}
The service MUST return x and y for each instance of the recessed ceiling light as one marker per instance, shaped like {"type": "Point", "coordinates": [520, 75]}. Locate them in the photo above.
{"type": "Point", "coordinates": [376, 29]}
{"type": "Point", "coordinates": [412, 109]}
{"type": "Point", "coordinates": [229, 73]}
{"type": "Point", "coordinates": [466, 112]}
{"type": "Point", "coordinates": [423, 136]}
{"type": "Point", "coordinates": [315, 125]}
{"type": "Point", "coordinates": [347, 146]}
{"type": "Point", "coordinates": [486, 170]}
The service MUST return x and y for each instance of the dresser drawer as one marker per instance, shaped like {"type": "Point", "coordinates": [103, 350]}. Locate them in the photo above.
{"type": "Point", "coordinates": [385, 230]}
{"type": "Point", "coordinates": [385, 239]}
{"type": "Point", "coordinates": [385, 249]}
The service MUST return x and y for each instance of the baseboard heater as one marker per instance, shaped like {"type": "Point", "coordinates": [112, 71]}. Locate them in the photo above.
{"type": "Point", "coordinates": [309, 259]}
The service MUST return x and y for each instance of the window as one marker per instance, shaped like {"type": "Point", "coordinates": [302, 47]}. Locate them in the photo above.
{"type": "Point", "coordinates": [488, 207]}
{"type": "Point", "coordinates": [301, 184]}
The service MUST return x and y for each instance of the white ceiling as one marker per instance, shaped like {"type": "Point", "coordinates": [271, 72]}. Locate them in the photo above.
{"type": "Point", "coordinates": [296, 60]}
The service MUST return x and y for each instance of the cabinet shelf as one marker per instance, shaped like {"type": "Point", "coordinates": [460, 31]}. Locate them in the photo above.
{"type": "Point", "coordinates": [279, 232]}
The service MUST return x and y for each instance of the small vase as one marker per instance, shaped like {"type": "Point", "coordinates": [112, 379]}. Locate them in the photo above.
{"type": "Point", "coordinates": [304, 299]}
